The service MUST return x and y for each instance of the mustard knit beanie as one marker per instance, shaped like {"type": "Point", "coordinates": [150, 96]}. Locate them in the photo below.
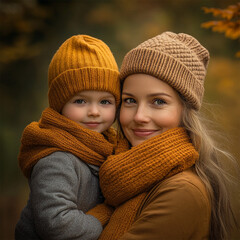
{"type": "Point", "coordinates": [81, 63]}
{"type": "Point", "coordinates": [177, 59]}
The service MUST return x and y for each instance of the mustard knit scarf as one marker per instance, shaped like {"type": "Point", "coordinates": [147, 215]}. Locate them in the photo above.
{"type": "Point", "coordinates": [126, 178]}
{"type": "Point", "coordinates": [54, 132]}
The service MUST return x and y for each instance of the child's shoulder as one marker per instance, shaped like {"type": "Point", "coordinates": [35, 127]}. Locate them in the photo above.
{"type": "Point", "coordinates": [61, 162]}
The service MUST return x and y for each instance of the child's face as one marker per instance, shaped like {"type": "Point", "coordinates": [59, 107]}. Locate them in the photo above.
{"type": "Point", "coordinates": [94, 110]}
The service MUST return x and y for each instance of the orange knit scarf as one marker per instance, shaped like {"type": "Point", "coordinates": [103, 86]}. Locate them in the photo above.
{"type": "Point", "coordinates": [54, 132]}
{"type": "Point", "coordinates": [126, 178]}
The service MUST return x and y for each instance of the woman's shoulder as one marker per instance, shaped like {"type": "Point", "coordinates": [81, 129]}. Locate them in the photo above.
{"type": "Point", "coordinates": [187, 179]}
{"type": "Point", "coordinates": [177, 206]}
{"type": "Point", "coordinates": [185, 186]}
{"type": "Point", "coordinates": [181, 194]}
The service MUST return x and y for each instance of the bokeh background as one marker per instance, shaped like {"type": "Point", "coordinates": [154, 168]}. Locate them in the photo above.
{"type": "Point", "coordinates": [32, 30]}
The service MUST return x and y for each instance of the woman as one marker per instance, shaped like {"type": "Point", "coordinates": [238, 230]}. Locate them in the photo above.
{"type": "Point", "coordinates": [170, 184]}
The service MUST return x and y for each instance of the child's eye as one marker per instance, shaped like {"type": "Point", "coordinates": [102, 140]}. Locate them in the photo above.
{"type": "Point", "coordinates": [159, 102]}
{"type": "Point", "coordinates": [79, 101]}
{"type": "Point", "coordinates": [129, 100]}
{"type": "Point", "coordinates": [105, 102]}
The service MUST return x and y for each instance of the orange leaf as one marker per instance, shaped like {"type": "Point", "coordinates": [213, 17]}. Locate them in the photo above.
{"type": "Point", "coordinates": [238, 54]}
{"type": "Point", "coordinates": [223, 13]}
{"type": "Point", "coordinates": [209, 24]}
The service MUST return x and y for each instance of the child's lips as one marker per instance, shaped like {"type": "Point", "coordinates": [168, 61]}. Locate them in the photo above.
{"type": "Point", "coordinates": [92, 124]}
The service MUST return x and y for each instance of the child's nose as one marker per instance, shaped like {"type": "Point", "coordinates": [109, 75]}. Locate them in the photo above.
{"type": "Point", "coordinates": [93, 110]}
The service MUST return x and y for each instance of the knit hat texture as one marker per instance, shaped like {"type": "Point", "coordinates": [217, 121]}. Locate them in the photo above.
{"type": "Point", "coordinates": [177, 59]}
{"type": "Point", "coordinates": [81, 63]}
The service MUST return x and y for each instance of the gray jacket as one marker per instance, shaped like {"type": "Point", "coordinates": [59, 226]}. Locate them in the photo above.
{"type": "Point", "coordinates": [62, 190]}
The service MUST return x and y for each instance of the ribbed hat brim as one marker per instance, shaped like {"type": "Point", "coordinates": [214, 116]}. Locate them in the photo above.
{"type": "Point", "coordinates": [166, 68]}
{"type": "Point", "coordinates": [73, 81]}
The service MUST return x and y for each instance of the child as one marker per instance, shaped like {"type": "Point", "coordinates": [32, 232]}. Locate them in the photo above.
{"type": "Point", "coordinates": [61, 154]}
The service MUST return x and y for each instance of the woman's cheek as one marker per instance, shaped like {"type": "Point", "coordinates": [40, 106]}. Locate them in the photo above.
{"type": "Point", "coordinates": [124, 117]}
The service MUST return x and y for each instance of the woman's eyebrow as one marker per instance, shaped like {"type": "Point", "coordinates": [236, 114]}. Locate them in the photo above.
{"type": "Point", "coordinates": [159, 94]}
{"type": "Point", "coordinates": [149, 95]}
{"type": "Point", "coordinates": [129, 94]}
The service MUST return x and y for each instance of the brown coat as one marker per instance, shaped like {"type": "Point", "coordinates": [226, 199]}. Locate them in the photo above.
{"type": "Point", "coordinates": [177, 208]}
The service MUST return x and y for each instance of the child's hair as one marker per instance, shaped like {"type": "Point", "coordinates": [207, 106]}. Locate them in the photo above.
{"type": "Point", "coordinates": [209, 168]}
{"type": "Point", "coordinates": [81, 63]}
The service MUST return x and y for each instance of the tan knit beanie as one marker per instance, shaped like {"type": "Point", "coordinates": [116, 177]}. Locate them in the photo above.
{"type": "Point", "coordinates": [177, 59]}
{"type": "Point", "coordinates": [81, 63]}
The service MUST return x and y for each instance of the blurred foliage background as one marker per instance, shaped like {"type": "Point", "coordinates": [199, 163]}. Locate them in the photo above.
{"type": "Point", "coordinates": [32, 30]}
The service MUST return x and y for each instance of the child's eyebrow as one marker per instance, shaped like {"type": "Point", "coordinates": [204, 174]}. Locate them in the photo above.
{"type": "Point", "coordinates": [106, 95]}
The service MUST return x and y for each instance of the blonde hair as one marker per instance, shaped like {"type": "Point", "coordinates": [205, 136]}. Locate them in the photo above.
{"type": "Point", "coordinates": [210, 169]}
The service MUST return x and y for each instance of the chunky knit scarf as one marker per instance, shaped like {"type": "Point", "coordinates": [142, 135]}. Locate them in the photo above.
{"type": "Point", "coordinates": [126, 178]}
{"type": "Point", "coordinates": [54, 132]}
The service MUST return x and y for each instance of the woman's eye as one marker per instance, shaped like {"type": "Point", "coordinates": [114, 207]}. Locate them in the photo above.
{"type": "Point", "coordinates": [129, 100]}
{"type": "Point", "coordinates": [105, 102]}
{"type": "Point", "coordinates": [79, 101]}
{"type": "Point", "coordinates": [159, 101]}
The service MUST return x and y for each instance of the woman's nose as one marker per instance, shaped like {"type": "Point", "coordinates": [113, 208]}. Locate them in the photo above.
{"type": "Point", "coordinates": [93, 110]}
{"type": "Point", "coordinates": [141, 115]}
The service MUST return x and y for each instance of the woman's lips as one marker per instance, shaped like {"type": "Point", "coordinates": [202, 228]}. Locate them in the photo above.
{"type": "Point", "coordinates": [143, 132]}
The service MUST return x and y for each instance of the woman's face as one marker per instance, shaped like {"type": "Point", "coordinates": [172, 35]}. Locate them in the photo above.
{"type": "Point", "coordinates": [149, 107]}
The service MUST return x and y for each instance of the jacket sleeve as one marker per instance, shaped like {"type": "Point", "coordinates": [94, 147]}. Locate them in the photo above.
{"type": "Point", "coordinates": [102, 212]}
{"type": "Point", "coordinates": [54, 187]}
{"type": "Point", "coordinates": [176, 210]}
